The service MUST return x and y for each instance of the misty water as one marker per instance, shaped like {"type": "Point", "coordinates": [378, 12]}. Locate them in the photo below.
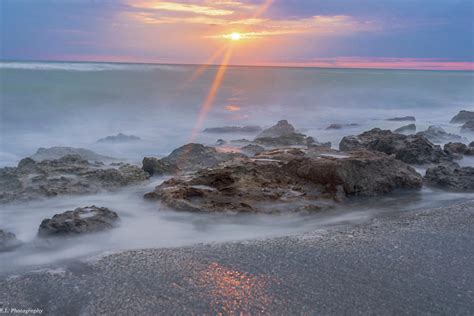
{"type": "Point", "coordinates": [75, 104]}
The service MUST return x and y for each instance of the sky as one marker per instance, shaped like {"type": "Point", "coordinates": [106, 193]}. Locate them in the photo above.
{"type": "Point", "coordinates": [408, 34]}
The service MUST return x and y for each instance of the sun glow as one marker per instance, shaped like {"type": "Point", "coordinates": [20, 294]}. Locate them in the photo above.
{"type": "Point", "coordinates": [235, 36]}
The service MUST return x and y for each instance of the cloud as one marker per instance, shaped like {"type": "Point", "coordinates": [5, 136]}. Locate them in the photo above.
{"type": "Point", "coordinates": [181, 7]}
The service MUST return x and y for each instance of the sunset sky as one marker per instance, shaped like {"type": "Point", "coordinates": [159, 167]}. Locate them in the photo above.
{"type": "Point", "coordinates": [419, 34]}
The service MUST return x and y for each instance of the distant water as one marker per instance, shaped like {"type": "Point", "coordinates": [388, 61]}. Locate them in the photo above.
{"type": "Point", "coordinates": [75, 104]}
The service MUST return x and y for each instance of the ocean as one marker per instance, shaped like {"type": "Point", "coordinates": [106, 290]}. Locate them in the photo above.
{"type": "Point", "coordinates": [45, 104]}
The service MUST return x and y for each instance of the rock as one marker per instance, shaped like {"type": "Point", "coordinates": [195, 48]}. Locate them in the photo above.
{"type": "Point", "coordinates": [233, 129]}
{"type": "Point", "coordinates": [456, 148]}
{"type": "Point", "coordinates": [82, 220]}
{"type": "Point", "coordinates": [8, 241]}
{"type": "Point", "coordinates": [451, 176]}
{"type": "Point", "coordinates": [413, 149]}
{"type": "Point", "coordinates": [282, 134]}
{"type": "Point", "coordinates": [67, 175]}
{"type": "Point", "coordinates": [285, 181]}
{"type": "Point", "coordinates": [119, 138]}
{"type": "Point", "coordinates": [401, 119]}
{"type": "Point", "coordinates": [437, 134]}
{"type": "Point", "coordinates": [341, 126]}
{"type": "Point", "coordinates": [282, 128]}
{"type": "Point", "coordinates": [463, 116]}
{"type": "Point", "coordinates": [189, 157]}
{"type": "Point", "coordinates": [252, 149]}
{"type": "Point", "coordinates": [468, 127]}
{"type": "Point", "coordinates": [220, 142]}
{"type": "Point", "coordinates": [407, 129]}
{"type": "Point", "coordinates": [58, 152]}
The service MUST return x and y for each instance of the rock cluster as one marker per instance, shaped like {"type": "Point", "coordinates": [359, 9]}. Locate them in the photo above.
{"type": "Point", "coordinates": [292, 179]}
{"type": "Point", "coordinates": [451, 176]}
{"type": "Point", "coordinates": [437, 134]}
{"type": "Point", "coordinates": [463, 116]}
{"type": "Point", "coordinates": [67, 175]}
{"type": "Point", "coordinates": [119, 138]}
{"type": "Point", "coordinates": [412, 149]}
{"type": "Point", "coordinates": [283, 134]}
{"type": "Point", "coordinates": [82, 220]}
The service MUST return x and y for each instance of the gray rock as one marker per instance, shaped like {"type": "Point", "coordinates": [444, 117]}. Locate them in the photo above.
{"type": "Point", "coordinates": [82, 220]}
{"type": "Point", "coordinates": [285, 181]}
{"type": "Point", "coordinates": [341, 126]}
{"type": "Point", "coordinates": [437, 134]}
{"type": "Point", "coordinates": [403, 118]}
{"type": "Point", "coordinates": [282, 128]}
{"type": "Point", "coordinates": [407, 129]}
{"type": "Point", "coordinates": [252, 149]}
{"type": "Point", "coordinates": [463, 116]}
{"type": "Point", "coordinates": [233, 129]}
{"type": "Point", "coordinates": [413, 149]}
{"type": "Point", "coordinates": [451, 176]}
{"type": "Point", "coordinates": [282, 134]}
{"type": "Point", "coordinates": [58, 152]}
{"type": "Point", "coordinates": [456, 148]}
{"type": "Point", "coordinates": [468, 126]}
{"type": "Point", "coordinates": [8, 241]}
{"type": "Point", "coordinates": [156, 166]}
{"type": "Point", "coordinates": [119, 138]}
{"type": "Point", "coordinates": [68, 175]}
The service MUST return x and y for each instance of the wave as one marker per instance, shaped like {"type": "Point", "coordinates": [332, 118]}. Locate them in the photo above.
{"type": "Point", "coordinates": [78, 66]}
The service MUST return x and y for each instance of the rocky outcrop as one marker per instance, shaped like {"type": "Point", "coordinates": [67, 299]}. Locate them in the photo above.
{"type": "Point", "coordinates": [463, 116]}
{"type": "Point", "coordinates": [58, 152]}
{"type": "Point", "coordinates": [83, 220]}
{"type": "Point", "coordinates": [451, 176]}
{"type": "Point", "coordinates": [282, 134]}
{"type": "Point", "coordinates": [456, 148]}
{"type": "Point", "coordinates": [407, 129]}
{"type": "Point", "coordinates": [285, 180]}
{"type": "Point", "coordinates": [8, 241]}
{"type": "Point", "coordinates": [468, 126]}
{"type": "Point", "coordinates": [402, 119]}
{"type": "Point", "coordinates": [67, 175]}
{"type": "Point", "coordinates": [189, 157]}
{"type": "Point", "coordinates": [341, 126]}
{"type": "Point", "coordinates": [412, 149]}
{"type": "Point", "coordinates": [119, 138]}
{"type": "Point", "coordinates": [233, 129]}
{"type": "Point", "coordinates": [282, 128]}
{"type": "Point", "coordinates": [437, 134]}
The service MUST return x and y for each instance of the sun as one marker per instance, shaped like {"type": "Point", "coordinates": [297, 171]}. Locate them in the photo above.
{"type": "Point", "coordinates": [235, 36]}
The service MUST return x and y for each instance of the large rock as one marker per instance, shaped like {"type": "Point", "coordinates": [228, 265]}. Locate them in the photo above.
{"type": "Point", "coordinates": [463, 116]}
{"type": "Point", "coordinates": [189, 157]}
{"type": "Point", "coordinates": [451, 176]}
{"type": "Point", "coordinates": [282, 128]}
{"type": "Point", "coordinates": [8, 241]}
{"type": "Point", "coordinates": [468, 126]}
{"type": "Point", "coordinates": [413, 149]}
{"type": "Point", "coordinates": [119, 138]}
{"type": "Point", "coordinates": [407, 129]}
{"type": "Point", "coordinates": [456, 148]}
{"type": "Point", "coordinates": [282, 134]}
{"type": "Point", "coordinates": [402, 119]}
{"type": "Point", "coordinates": [58, 152]}
{"type": "Point", "coordinates": [67, 175]}
{"type": "Point", "coordinates": [285, 181]}
{"type": "Point", "coordinates": [233, 129]}
{"type": "Point", "coordinates": [82, 220]}
{"type": "Point", "coordinates": [437, 134]}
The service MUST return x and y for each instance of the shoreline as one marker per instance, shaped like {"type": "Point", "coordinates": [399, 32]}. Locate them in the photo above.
{"type": "Point", "coordinates": [412, 263]}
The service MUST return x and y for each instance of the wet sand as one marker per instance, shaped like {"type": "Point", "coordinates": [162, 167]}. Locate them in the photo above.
{"type": "Point", "coordinates": [420, 262]}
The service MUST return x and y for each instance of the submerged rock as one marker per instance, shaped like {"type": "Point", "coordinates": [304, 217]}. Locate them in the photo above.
{"type": "Point", "coordinates": [119, 138]}
{"type": "Point", "coordinates": [463, 116]}
{"type": "Point", "coordinates": [437, 134]}
{"type": "Point", "coordinates": [413, 149]}
{"type": "Point", "coordinates": [67, 175]}
{"type": "Point", "coordinates": [401, 119]}
{"type": "Point", "coordinates": [58, 152]}
{"type": "Point", "coordinates": [341, 126]}
{"type": "Point", "coordinates": [233, 129]}
{"type": "Point", "coordinates": [285, 181]}
{"type": "Point", "coordinates": [8, 241]}
{"type": "Point", "coordinates": [407, 129]}
{"type": "Point", "coordinates": [451, 176]}
{"type": "Point", "coordinates": [468, 126]}
{"type": "Point", "coordinates": [82, 220]}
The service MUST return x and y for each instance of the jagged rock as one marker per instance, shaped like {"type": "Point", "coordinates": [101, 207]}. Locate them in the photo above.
{"type": "Point", "coordinates": [282, 134]}
{"type": "Point", "coordinates": [285, 181]}
{"type": "Point", "coordinates": [252, 149]}
{"type": "Point", "coordinates": [413, 149]}
{"type": "Point", "coordinates": [282, 128]}
{"type": "Point", "coordinates": [233, 129]}
{"type": "Point", "coordinates": [58, 152]}
{"type": "Point", "coordinates": [463, 116]}
{"type": "Point", "coordinates": [8, 241]}
{"type": "Point", "coordinates": [437, 134]}
{"type": "Point", "coordinates": [82, 220]}
{"type": "Point", "coordinates": [401, 119]}
{"type": "Point", "coordinates": [456, 148]}
{"type": "Point", "coordinates": [156, 166]}
{"type": "Point", "coordinates": [468, 126]}
{"type": "Point", "coordinates": [451, 176]}
{"type": "Point", "coordinates": [67, 175]}
{"type": "Point", "coordinates": [341, 126]}
{"type": "Point", "coordinates": [119, 138]}
{"type": "Point", "coordinates": [407, 129]}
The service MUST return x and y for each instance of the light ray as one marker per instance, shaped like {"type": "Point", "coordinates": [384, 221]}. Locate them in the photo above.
{"type": "Point", "coordinates": [204, 66]}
